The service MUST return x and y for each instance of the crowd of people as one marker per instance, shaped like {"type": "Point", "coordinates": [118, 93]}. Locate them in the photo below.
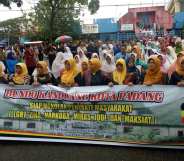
{"type": "Point", "coordinates": [153, 61]}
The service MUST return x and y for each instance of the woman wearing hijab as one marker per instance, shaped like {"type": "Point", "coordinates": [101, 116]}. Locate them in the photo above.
{"type": "Point", "coordinates": [133, 74]}
{"type": "Point", "coordinates": [172, 68]}
{"type": "Point", "coordinates": [163, 46]}
{"type": "Point", "coordinates": [170, 55]}
{"type": "Point", "coordinates": [3, 76]}
{"type": "Point", "coordinates": [95, 55]}
{"type": "Point", "coordinates": [42, 75]}
{"type": "Point", "coordinates": [21, 76]}
{"type": "Point", "coordinates": [30, 59]}
{"type": "Point", "coordinates": [82, 78]}
{"type": "Point", "coordinates": [95, 77]}
{"type": "Point", "coordinates": [154, 74]}
{"type": "Point", "coordinates": [177, 78]}
{"type": "Point", "coordinates": [58, 64]}
{"type": "Point", "coordinates": [164, 64]}
{"type": "Point", "coordinates": [108, 67]}
{"type": "Point", "coordinates": [119, 75]}
{"type": "Point", "coordinates": [11, 61]}
{"type": "Point", "coordinates": [78, 61]}
{"type": "Point", "coordinates": [108, 64]}
{"type": "Point", "coordinates": [82, 50]}
{"type": "Point", "coordinates": [69, 73]}
{"type": "Point", "coordinates": [138, 52]}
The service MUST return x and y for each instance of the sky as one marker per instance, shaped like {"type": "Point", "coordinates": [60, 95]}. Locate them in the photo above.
{"type": "Point", "coordinates": [104, 11]}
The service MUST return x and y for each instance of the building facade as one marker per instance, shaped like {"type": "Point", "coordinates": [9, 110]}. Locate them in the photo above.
{"type": "Point", "coordinates": [146, 19]}
{"type": "Point", "coordinates": [103, 29]}
{"type": "Point", "coordinates": [136, 21]}
{"type": "Point", "coordinates": [176, 8]}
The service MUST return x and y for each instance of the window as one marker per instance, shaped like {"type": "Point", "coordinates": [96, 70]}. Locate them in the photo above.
{"type": "Point", "coordinates": [53, 126]}
{"type": "Point", "coordinates": [8, 124]}
{"type": "Point", "coordinates": [180, 133]}
{"type": "Point", "coordinates": [31, 125]}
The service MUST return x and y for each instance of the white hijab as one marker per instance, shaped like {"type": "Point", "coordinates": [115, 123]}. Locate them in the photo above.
{"type": "Point", "coordinates": [94, 55]}
{"type": "Point", "coordinates": [79, 63]}
{"type": "Point", "coordinates": [67, 54]}
{"type": "Point", "coordinates": [59, 61]}
{"type": "Point", "coordinates": [106, 67]}
{"type": "Point", "coordinates": [81, 53]}
{"type": "Point", "coordinates": [171, 55]}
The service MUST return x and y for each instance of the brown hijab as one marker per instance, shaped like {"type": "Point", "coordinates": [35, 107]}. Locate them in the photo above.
{"type": "Point", "coordinates": [154, 76]}
{"type": "Point", "coordinates": [179, 69]}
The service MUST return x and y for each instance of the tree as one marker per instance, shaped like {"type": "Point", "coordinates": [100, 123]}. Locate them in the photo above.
{"type": "Point", "coordinates": [57, 17]}
{"type": "Point", "coordinates": [93, 6]}
{"type": "Point", "coordinates": [7, 3]}
{"type": "Point", "coordinates": [15, 28]}
{"type": "Point", "coordinates": [10, 29]}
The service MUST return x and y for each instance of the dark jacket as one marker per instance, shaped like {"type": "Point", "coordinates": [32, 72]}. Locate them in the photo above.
{"type": "Point", "coordinates": [176, 78]}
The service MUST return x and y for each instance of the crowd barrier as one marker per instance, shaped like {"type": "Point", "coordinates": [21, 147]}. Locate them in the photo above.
{"type": "Point", "coordinates": [119, 115]}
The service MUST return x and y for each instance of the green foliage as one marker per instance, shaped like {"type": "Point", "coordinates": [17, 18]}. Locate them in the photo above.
{"type": "Point", "coordinates": [7, 3]}
{"type": "Point", "coordinates": [11, 28]}
{"type": "Point", "coordinates": [93, 6]}
{"type": "Point", "coordinates": [51, 19]}
{"type": "Point", "coordinates": [58, 17]}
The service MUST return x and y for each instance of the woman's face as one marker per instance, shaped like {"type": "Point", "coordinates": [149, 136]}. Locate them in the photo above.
{"type": "Point", "coordinates": [84, 66]}
{"type": "Point", "coordinates": [95, 56]}
{"type": "Point", "coordinates": [18, 69]}
{"type": "Point", "coordinates": [39, 69]}
{"type": "Point", "coordinates": [130, 63]}
{"type": "Point", "coordinates": [168, 51]}
{"type": "Point", "coordinates": [182, 64]}
{"type": "Point", "coordinates": [151, 64]}
{"type": "Point", "coordinates": [108, 59]}
{"type": "Point", "coordinates": [67, 65]}
{"type": "Point", "coordinates": [133, 56]}
{"type": "Point", "coordinates": [119, 67]}
{"type": "Point", "coordinates": [160, 58]}
{"type": "Point", "coordinates": [179, 57]}
{"type": "Point", "coordinates": [77, 59]}
{"type": "Point", "coordinates": [92, 66]}
{"type": "Point", "coordinates": [82, 44]}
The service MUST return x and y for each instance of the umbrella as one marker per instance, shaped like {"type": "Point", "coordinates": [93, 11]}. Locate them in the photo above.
{"type": "Point", "coordinates": [63, 39]}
